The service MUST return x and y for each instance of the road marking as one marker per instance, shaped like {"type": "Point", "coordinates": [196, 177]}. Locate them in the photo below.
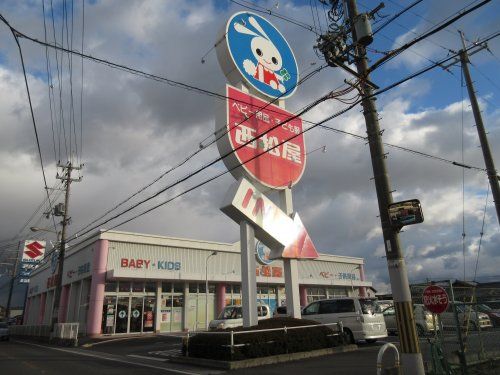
{"type": "Point", "coordinates": [102, 356]}
{"type": "Point", "coordinates": [117, 339]}
{"type": "Point", "coordinates": [146, 357]}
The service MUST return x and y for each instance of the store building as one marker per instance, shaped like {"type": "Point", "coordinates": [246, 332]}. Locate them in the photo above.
{"type": "Point", "coordinates": [118, 282]}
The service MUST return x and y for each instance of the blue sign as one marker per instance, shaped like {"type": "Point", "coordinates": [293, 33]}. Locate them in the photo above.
{"type": "Point", "coordinates": [262, 253]}
{"type": "Point", "coordinates": [262, 55]}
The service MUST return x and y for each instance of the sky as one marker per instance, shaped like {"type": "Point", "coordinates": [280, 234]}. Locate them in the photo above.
{"type": "Point", "coordinates": [128, 130]}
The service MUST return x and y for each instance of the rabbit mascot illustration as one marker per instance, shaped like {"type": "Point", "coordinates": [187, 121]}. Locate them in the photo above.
{"type": "Point", "coordinates": [269, 60]}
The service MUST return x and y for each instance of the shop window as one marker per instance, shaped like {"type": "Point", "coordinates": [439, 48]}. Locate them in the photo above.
{"type": "Point", "coordinates": [201, 288]}
{"type": "Point", "coordinates": [178, 301]}
{"type": "Point", "coordinates": [150, 287]}
{"type": "Point", "coordinates": [193, 288]}
{"type": "Point", "coordinates": [110, 286]}
{"type": "Point", "coordinates": [138, 287]}
{"type": "Point", "coordinates": [178, 288]}
{"type": "Point", "coordinates": [229, 289]}
{"type": "Point", "coordinates": [211, 288]}
{"type": "Point", "coordinates": [124, 286]}
{"type": "Point", "coordinates": [166, 287]}
{"type": "Point", "coordinates": [236, 289]}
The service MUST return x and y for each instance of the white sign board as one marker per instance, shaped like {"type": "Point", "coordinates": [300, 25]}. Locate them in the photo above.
{"type": "Point", "coordinates": [285, 236]}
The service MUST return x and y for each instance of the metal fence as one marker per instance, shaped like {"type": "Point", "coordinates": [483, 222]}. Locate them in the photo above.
{"type": "Point", "coordinates": [231, 334]}
{"type": "Point", "coordinates": [466, 338]}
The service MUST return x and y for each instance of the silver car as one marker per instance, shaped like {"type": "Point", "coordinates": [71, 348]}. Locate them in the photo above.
{"type": "Point", "coordinates": [423, 320]}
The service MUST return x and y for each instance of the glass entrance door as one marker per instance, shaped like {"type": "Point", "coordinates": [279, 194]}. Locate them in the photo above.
{"type": "Point", "coordinates": [108, 314]}
{"type": "Point", "coordinates": [136, 311]}
{"type": "Point", "coordinates": [149, 314]}
{"type": "Point", "coordinates": [122, 315]}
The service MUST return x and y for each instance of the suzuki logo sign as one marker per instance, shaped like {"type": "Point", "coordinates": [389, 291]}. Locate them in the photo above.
{"type": "Point", "coordinates": [33, 251]}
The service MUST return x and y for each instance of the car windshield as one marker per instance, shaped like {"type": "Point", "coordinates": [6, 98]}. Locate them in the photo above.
{"type": "Point", "coordinates": [231, 312]}
{"type": "Point", "coordinates": [369, 306]}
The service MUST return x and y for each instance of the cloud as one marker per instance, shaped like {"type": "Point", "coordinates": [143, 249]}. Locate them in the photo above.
{"type": "Point", "coordinates": [136, 129]}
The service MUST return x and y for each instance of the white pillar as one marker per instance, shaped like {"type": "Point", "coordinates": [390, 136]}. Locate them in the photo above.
{"type": "Point", "coordinates": [248, 278]}
{"type": "Point", "coordinates": [290, 266]}
{"type": "Point", "coordinates": [158, 307]}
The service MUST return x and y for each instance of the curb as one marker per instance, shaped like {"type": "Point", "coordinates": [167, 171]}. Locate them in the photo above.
{"type": "Point", "coordinates": [254, 362]}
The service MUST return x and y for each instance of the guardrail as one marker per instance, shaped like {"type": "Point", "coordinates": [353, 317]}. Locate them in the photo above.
{"type": "Point", "coordinates": [34, 331]}
{"type": "Point", "coordinates": [232, 345]}
{"type": "Point", "coordinates": [63, 333]}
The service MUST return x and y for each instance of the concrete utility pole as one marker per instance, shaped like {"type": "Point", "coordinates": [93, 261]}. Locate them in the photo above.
{"type": "Point", "coordinates": [488, 159]}
{"type": "Point", "coordinates": [66, 177]}
{"type": "Point", "coordinates": [12, 279]}
{"type": "Point", "coordinates": [411, 357]}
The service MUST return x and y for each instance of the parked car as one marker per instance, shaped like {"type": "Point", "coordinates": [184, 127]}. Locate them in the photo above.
{"type": "Point", "coordinates": [423, 320]}
{"type": "Point", "coordinates": [4, 331]}
{"type": "Point", "coordinates": [361, 318]}
{"type": "Point", "coordinates": [467, 316]}
{"type": "Point", "coordinates": [281, 311]}
{"type": "Point", "coordinates": [493, 314]}
{"type": "Point", "coordinates": [232, 316]}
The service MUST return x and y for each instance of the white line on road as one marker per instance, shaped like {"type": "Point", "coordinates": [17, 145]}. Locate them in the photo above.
{"type": "Point", "coordinates": [102, 356]}
{"type": "Point", "coordinates": [146, 357]}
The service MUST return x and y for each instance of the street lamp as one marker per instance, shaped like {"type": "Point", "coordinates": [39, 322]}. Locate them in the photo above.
{"type": "Point", "coordinates": [206, 288]}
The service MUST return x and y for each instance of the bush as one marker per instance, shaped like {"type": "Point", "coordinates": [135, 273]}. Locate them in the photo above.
{"type": "Point", "coordinates": [257, 343]}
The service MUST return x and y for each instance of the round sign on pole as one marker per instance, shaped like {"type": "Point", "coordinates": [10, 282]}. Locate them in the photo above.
{"type": "Point", "coordinates": [435, 299]}
{"type": "Point", "coordinates": [255, 49]}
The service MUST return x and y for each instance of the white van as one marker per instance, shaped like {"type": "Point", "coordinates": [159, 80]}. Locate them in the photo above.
{"type": "Point", "coordinates": [361, 318]}
{"type": "Point", "coordinates": [232, 316]}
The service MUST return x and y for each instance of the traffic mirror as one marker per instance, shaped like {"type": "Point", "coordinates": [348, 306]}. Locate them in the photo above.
{"type": "Point", "coordinates": [405, 213]}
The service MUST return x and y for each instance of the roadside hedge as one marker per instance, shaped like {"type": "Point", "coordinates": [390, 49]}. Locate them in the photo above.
{"type": "Point", "coordinates": [257, 343]}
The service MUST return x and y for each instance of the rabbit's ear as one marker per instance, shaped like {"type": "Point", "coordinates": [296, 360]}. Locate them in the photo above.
{"type": "Point", "coordinates": [242, 29]}
{"type": "Point", "coordinates": [255, 24]}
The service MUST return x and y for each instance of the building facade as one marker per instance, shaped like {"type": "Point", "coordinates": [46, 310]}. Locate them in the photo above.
{"type": "Point", "coordinates": [118, 282]}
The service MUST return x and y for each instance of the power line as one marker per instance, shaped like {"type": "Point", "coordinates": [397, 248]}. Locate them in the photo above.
{"type": "Point", "coordinates": [202, 147]}
{"type": "Point", "coordinates": [263, 10]}
{"type": "Point", "coordinates": [407, 45]}
{"type": "Point", "coordinates": [260, 135]}
{"type": "Point", "coordinates": [397, 15]}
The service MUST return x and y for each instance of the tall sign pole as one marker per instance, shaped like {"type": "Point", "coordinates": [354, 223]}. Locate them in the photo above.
{"type": "Point", "coordinates": [411, 357]}
{"type": "Point", "coordinates": [485, 147]}
{"type": "Point", "coordinates": [263, 147]}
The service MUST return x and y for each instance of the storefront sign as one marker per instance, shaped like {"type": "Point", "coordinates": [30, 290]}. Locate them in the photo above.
{"type": "Point", "coordinates": [274, 160]}
{"type": "Point", "coordinates": [52, 281]}
{"type": "Point", "coordinates": [262, 252]}
{"type": "Point", "coordinates": [285, 236]}
{"type": "Point", "coordinates": [346, 276]}
{"type": "Point", "coordinates": [268, 271]}
{"type": "Point", "coordinates": [256, 51]}
{"type": "Point", "coordinates": [138, 263]}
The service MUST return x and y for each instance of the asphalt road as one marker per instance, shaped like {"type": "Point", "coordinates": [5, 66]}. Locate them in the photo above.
{"type": "Point", "coordinates": [20, 357]}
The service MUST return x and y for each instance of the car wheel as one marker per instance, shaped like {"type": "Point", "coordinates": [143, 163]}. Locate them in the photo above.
{"type": "Point", "coordinates": [371, 341]}
{"type": "Point", "coordinates": [420, 330]}
{"type": "Point", "coordinates": [349, 337]}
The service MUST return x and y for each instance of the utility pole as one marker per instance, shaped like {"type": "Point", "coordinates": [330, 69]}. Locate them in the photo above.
{"type": "Point", "coordinates": [411, 357]}
{"type": "Point", "coordinates": [66, 178]}
{"type": "Point", "coordinates": [485, 147]}
{"type": "Point", "coordinates": [12, 279]}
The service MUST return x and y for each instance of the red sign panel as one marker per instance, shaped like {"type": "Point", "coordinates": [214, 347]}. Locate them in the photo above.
{"type": "Point", "coordinates": [282, 150]}
{"type": "Point", "coordinates": [435, 299]}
